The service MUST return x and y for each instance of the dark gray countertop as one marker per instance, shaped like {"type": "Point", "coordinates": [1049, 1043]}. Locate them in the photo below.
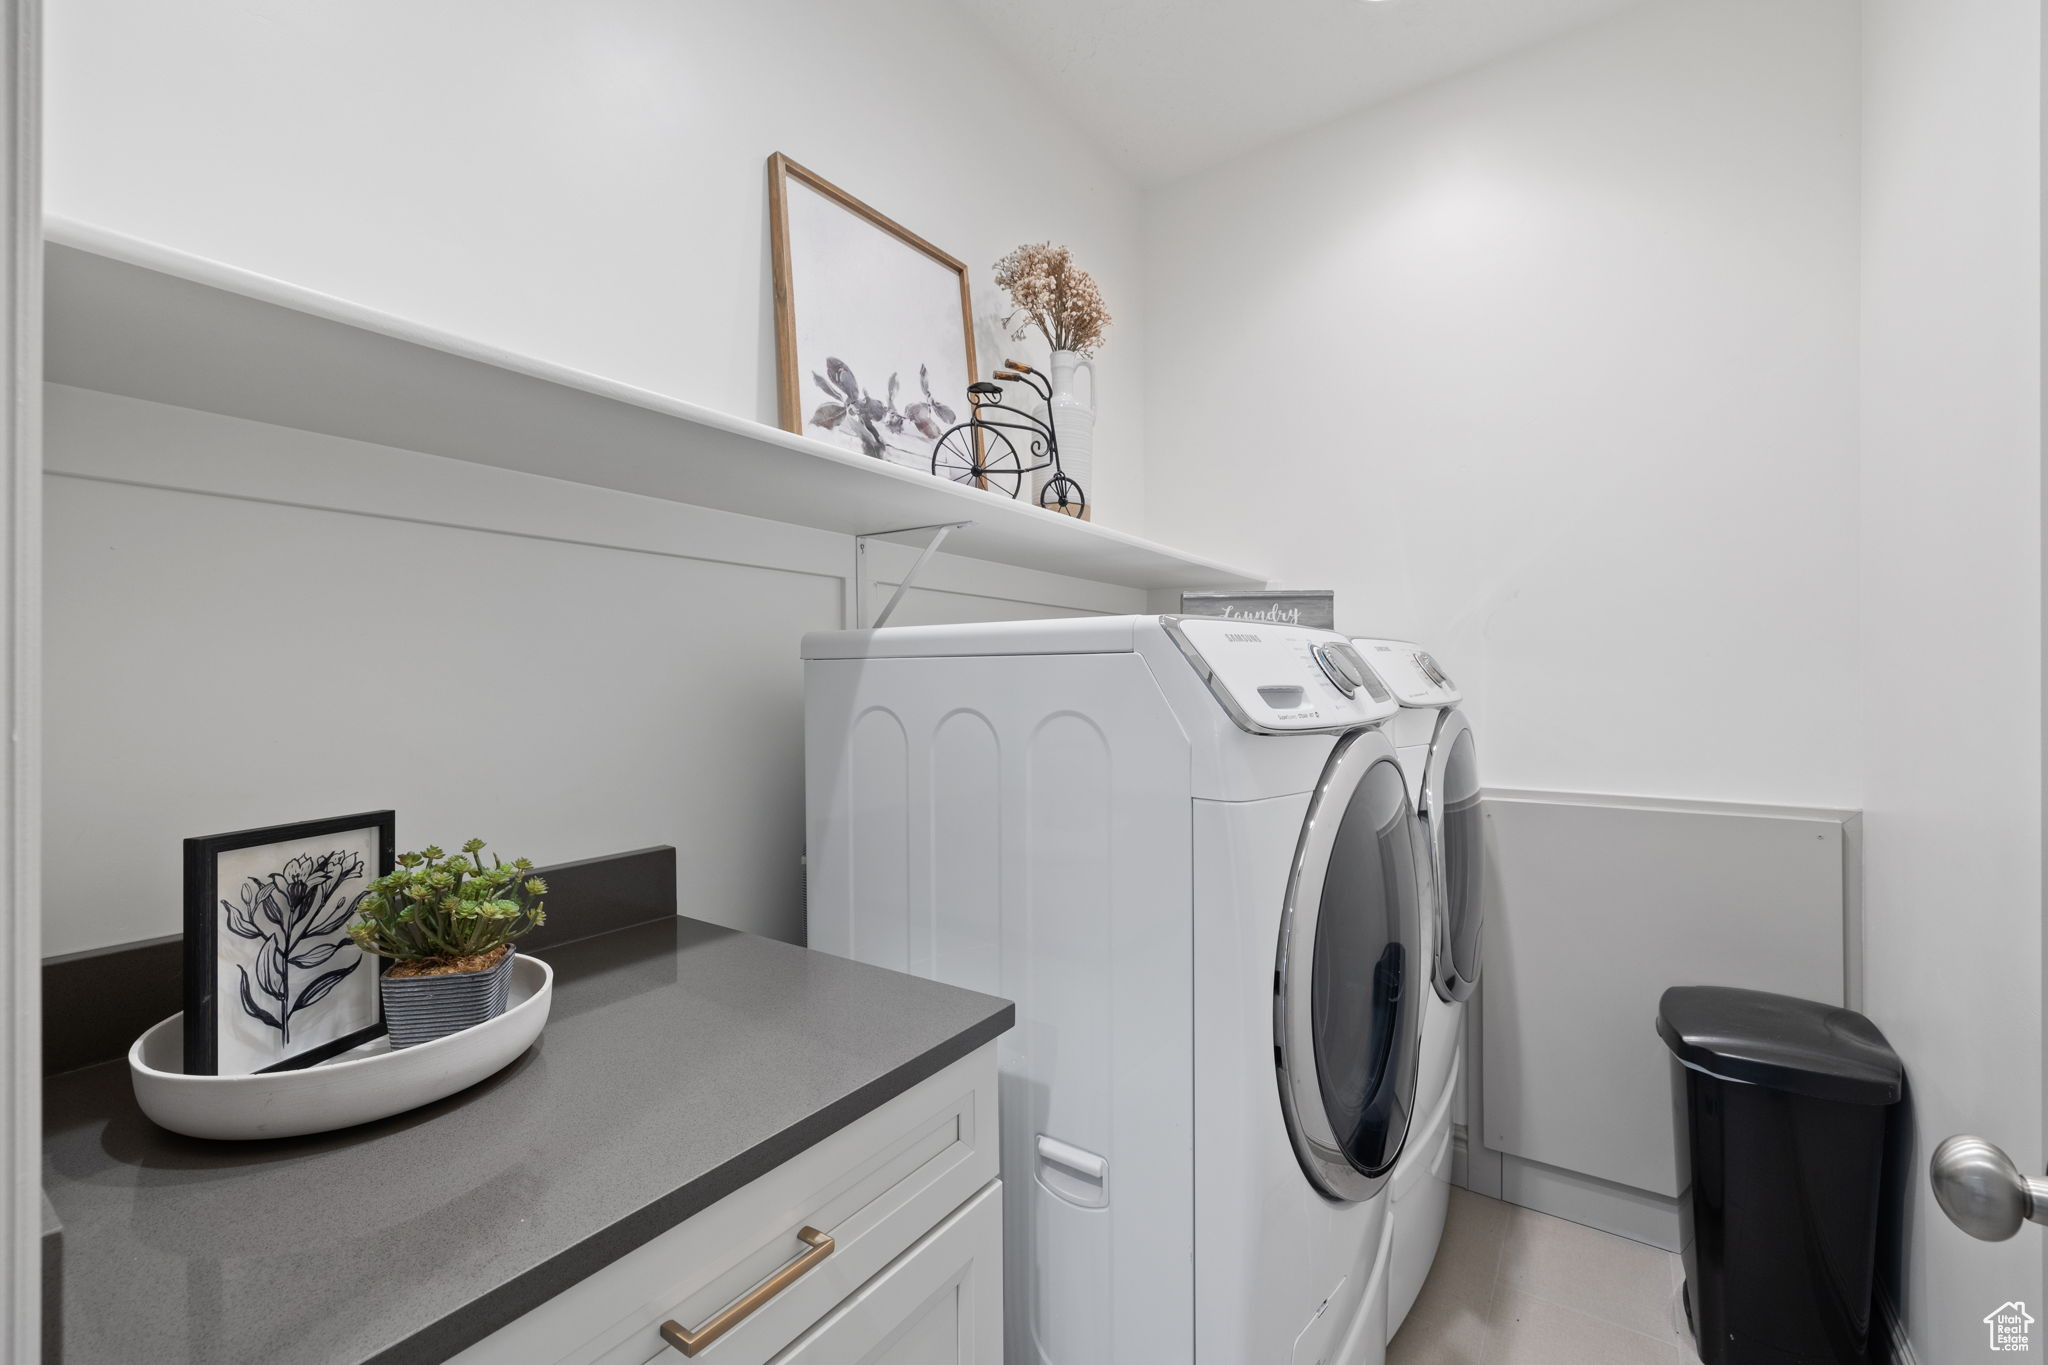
{"type": "Point", "coordinates": [680, 1062]}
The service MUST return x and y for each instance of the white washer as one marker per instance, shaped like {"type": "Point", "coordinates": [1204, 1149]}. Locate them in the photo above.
{"type": "Point", "coordinates": [1438, 757]}
{"type": "Point", "coordinates": [1181, 848]}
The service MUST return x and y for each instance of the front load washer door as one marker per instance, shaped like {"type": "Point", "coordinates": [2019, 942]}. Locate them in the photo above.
{"type": "Point", "coordinates": [1451, 816]}
{"type": "Point", "coordinates": [1349, 983]}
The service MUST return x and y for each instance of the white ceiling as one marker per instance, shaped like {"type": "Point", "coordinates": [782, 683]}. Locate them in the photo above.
{"type": "Point", "coordinates": [1172, 86]}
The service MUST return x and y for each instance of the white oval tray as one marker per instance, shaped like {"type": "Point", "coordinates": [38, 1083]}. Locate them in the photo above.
{"type": "Point", "coordinates": [370, 1082]}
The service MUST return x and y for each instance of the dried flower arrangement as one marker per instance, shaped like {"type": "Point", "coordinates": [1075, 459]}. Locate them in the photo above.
{"type": "Point", "coordinates": [1049, 292]}
{"type": "Point", "coordinates": [438, 914]}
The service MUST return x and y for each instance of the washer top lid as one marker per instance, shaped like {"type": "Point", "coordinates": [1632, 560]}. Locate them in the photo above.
{"type": "Point", "coordinates": [1064, 635]}
{"type": "Point", "coordinates": [1804, 1047]}
{"type": "Point", "coordinates": [1269, 679]}
{"type": "Point", "coordinates": [1410, 673]}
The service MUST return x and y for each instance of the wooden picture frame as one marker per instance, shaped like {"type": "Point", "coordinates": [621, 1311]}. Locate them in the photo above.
{"type": "Point", "coordinates": [295, 850]}
{"type": "Point", "coordinates": [902, 433]}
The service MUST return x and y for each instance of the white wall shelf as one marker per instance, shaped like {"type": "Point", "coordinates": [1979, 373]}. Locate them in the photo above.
{"type": "Point", "coordinates": [133, 318]}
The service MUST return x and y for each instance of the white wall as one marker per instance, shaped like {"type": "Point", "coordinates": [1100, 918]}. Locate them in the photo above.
{"type": "Point", "coordinates": [1951, 621]}
{"type": "Point", "coordinates": [249, 624]}
{"type": "Point", "coordinates": [1552, 366]}
{"type": "Point", "coordinates": [584, 183]}
{"type": "Point", "coordinates": [1602, 903]}
{"type": "Point", "coordinates": [1679, 382]}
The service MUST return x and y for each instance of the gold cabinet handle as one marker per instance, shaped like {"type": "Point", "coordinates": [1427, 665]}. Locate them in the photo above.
{"type": "Point", "coordinates": [689, 1343]}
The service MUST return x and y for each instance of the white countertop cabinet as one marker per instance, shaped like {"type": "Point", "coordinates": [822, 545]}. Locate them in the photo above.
{"type": "Point", "coordinates": [909, 1196]}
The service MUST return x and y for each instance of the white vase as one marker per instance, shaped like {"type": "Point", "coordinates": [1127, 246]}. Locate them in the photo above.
{"type": "Point", "coordinates": [1073, 422]}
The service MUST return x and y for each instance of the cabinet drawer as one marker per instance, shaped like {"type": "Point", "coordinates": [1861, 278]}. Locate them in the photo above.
{"type": "Point", "coordinates": [942, 1304]}
{"type": "Point", "coordinates": [876, 1188]}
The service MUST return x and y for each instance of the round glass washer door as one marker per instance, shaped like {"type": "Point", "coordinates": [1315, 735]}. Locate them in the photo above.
{"type": "Point", "coordinates": [1456, 833]}
{"type": "Point", "coordinates": [1348, 986]}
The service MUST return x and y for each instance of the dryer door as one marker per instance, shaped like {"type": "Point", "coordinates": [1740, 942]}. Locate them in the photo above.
{"type": "Point", "coordinates": [1456, 833]}
{"type": "Point", "coordinates": [1348, 988]}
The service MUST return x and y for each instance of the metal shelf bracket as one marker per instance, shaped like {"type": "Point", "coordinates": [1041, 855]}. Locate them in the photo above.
{"type": "Point", "coordinates": [863, 576]}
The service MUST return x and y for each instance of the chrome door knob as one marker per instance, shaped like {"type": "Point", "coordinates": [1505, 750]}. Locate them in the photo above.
{"type": "Point", "coordinates": [1982, 1192]}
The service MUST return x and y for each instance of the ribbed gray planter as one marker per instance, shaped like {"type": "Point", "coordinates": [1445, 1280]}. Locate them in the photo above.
{"type": "Point", "coordinates": [419, 1009]}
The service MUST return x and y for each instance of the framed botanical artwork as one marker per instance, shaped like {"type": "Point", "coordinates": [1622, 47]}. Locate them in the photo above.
{"type": "Point", "coordinates": [874, 326]}
{"type": "Point", "coordinates": [272, 979]}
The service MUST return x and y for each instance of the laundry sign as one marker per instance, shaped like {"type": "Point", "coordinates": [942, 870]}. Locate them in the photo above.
{"type": "Point", "coordinates": [1311, 608]}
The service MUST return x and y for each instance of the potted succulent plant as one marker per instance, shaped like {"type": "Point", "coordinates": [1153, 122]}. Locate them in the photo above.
{"type": "Point", "coordinates": [447, 923]}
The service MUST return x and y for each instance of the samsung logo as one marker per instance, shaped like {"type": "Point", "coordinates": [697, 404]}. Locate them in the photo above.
{"type": "Point", "coordinates": [1238, 638]}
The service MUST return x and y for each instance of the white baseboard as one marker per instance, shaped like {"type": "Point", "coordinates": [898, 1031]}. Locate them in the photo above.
{"type": "Point", "coordinates": [1473, 1166]}
{"type": "Point", "coordinates": [1635, 1214]}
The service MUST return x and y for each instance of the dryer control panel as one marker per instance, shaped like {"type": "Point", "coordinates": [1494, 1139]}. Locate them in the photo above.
{"type": "Point", "coordinates": [1282, 679]}
{"type": "Point", "coordinates": [1409, 673]}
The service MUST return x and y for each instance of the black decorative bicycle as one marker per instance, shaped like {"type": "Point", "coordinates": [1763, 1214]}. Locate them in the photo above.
{"type": "Point", "coordinates": [980, 451]}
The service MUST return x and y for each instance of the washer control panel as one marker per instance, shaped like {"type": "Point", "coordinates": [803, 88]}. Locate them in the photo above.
{"type": "Point", "coordinates": [1409, 673]}
{"type": "Point", "coordinates": [1283, 679]}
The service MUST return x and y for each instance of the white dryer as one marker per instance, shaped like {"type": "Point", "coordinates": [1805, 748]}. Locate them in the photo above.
{"type": "Point", "coordinates": [1180, 846]}
{"type": "Point", "coordinates": [1438, 757]}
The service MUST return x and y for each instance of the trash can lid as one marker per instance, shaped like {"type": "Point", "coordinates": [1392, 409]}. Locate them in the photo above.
{"type": "Point", "coordinates": [1801, 1046]}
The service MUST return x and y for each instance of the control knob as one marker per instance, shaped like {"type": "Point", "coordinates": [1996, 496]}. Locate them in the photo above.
{"type": "Point", "coordinates": [1343, 673]}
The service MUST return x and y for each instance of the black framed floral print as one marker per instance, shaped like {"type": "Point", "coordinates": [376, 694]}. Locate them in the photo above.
{"type": "Point", "coordinates": [272, 980]}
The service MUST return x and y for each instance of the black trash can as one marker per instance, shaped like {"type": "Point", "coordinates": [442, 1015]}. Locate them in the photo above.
{"type": "Point", "coordinates": [1785, 1106]}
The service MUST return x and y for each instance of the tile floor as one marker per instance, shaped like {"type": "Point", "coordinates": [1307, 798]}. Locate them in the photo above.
{"type": "Point", "coordinates": [1514, 1287]}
